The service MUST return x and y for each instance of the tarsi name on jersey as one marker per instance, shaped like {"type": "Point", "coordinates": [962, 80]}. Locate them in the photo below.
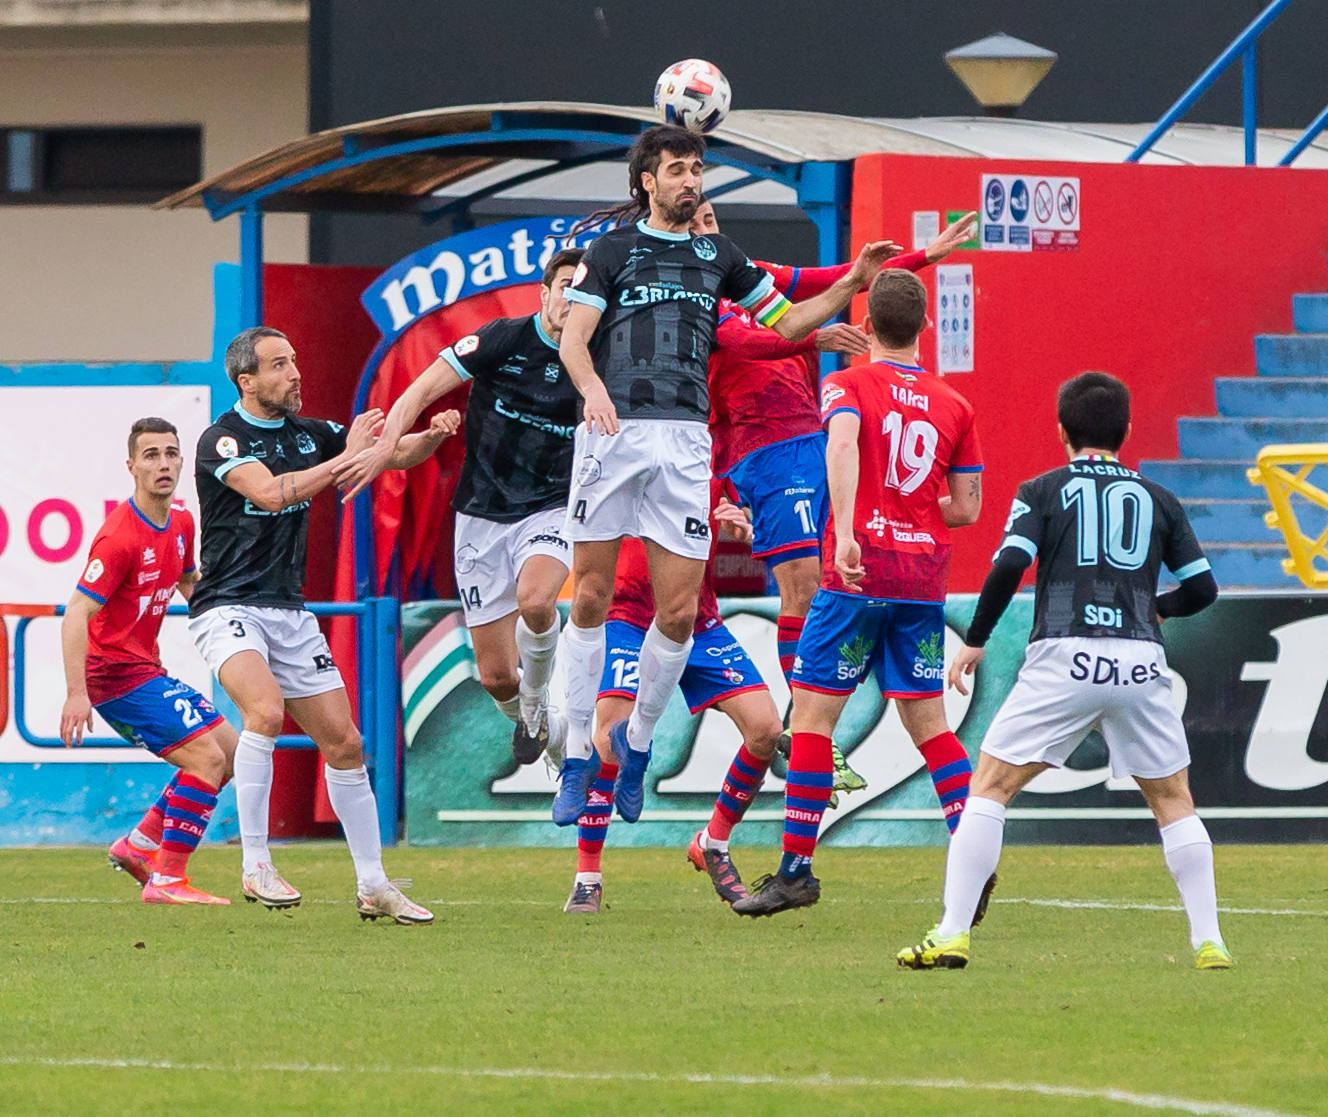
{"type": "Point", "coordinates": [914, 430]}
{"type": "Point", "coordinates": [132, 571]}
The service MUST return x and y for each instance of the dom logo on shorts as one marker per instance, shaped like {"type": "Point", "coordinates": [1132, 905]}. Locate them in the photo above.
{"type": "Point", "coordinates": [324, 663]}
{"type": "Point", "coordinates": [929, 663]}
{"type": "Point", "coordinates": [695, 529]}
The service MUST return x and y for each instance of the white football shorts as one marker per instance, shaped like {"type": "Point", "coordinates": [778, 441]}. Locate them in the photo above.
{"type": "Point", "coordinates": [288, 639]}
{"type": "Point", "coordinates": [1070, 685]}
{"type": "Point", "coordinates": [488, 557]}
{"type": "Point", "coordinates": [651, 480]}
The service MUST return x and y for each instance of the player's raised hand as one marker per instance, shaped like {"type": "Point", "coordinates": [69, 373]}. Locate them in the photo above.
{"type": "Point", "coordinates": [75, 717]}
{"type": "Point", "coordinates": [444, 425]}
{"type": "Point", "coordinates": [872, 258]}
{"type": "Point", "coordinates": [952, 236]}
{"type": "Point", "coordinates": [848, 561]}
{"type": "Point", "coordinates": [733, 521]}
{"type": "Point", "coordinates": [363, 429]}
{"type": "Point", "coordinates": [965, 663]}
{"type": "Point", "coordinates": [600, 414]}
{"type": "Point", "coordinates": [840, 337]}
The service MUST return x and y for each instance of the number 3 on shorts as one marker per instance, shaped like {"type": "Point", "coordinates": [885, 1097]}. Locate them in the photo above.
{"type": "Point", "coordinates": [237, 630]}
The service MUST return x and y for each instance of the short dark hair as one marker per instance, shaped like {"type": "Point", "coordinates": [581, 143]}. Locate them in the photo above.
{"type": "Point", "coordinates": [240, 355]}
{"type": "Point", "coordinates": [897, 306]}
{"type": "Point", "coordinates": [1094, 409]}
{"type": "Point", "coordinates": [149, 425]}
{"type": "Point", "coordinates": [563, 258]}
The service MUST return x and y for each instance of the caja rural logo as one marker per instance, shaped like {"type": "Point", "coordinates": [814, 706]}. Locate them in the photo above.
{"type": "Point", "coordinates": [929, 663]}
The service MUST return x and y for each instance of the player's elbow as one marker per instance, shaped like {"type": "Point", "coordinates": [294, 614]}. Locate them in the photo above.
{"type": "Point", "coordinates": [794, 327]}
{"type": "Point", "coordinates": [965, 514]}
{"type": "Point", "coordinates": [269, 500]}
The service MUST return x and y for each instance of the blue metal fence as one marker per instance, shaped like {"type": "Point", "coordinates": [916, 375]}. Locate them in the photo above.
{"type": "Point", "coordinates": [377, 631]}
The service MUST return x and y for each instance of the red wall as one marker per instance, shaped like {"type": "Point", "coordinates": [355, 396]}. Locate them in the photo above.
{"type": "Point", "coordinates": [1177, 268]}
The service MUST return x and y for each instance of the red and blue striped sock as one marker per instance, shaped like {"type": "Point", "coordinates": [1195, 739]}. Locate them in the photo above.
{"type": "Point", "coordinates": [806, 793]}
{"type": "Point", "coordinates": [740, 787]}
{"type": "Point", "coordinates": [788, 630]}
{"type": "Point", "coordinates": [951, 772]}
{"type": "Point", "coordinates": [154, 822]}
{"type": "Point", "coordinates": [593, 825]}
{"type": "Point", "coordinates": [187, 813]}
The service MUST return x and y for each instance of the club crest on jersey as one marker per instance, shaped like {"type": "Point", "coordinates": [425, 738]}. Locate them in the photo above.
{"type": "Point", "coordinates": [227, 447]}
{"type": "Point", "coordinates": [466, 346]}
{"type": "Point", "coordinates": [304, 444]}
{"type": "Point", "coordinates": [590, 470]}
{"type": "Point", "coordinates": [179, 545]}
{"type": "Point", "coordinates": [704, 248]}
{"type": "Point", "coordinates": [94, 571]}
{"type": "Point", "coordinates": [466, 558]}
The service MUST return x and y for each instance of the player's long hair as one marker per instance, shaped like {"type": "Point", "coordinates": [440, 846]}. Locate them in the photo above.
{"type": "Point", "coordinates": [644, 158]}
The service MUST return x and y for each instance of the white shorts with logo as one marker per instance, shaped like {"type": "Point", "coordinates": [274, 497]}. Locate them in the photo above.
{"type": "Point", "coordinates": [489, 556]}
{"type": "Point", "coordinates": [1070, 685]}
{"type": "Point", "coordinates": [288, 639]}
{"type": "Point", "coordinates": [651, 480]}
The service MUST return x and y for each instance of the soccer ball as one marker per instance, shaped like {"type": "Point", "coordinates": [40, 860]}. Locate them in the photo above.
{"type": "Point", "coordinates": [693, 94]}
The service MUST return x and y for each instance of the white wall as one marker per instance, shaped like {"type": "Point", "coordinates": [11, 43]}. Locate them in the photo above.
{"type": "Point", "coordinates": [116, 283]}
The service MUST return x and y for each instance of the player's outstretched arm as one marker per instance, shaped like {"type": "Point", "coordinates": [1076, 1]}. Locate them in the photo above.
{"type": "Point", "coordinates": [256, 483]}
{"type": "Point", "coordinates": [801, 318]}
{"type": "Point", "coordinates": [952, 236]}
{"type": "Point", "coordinates": [415, 448]}
{"type": "Point", "coordinates": [964, 503]}
{"type": "Point", "coordinates": [354, 474]}
{"type": "Point", "coordinates": [76, 714]}
{"type": "Point", "coordinates": [574, 350]}
{"type": "Point", "coordinates": [841, 472]}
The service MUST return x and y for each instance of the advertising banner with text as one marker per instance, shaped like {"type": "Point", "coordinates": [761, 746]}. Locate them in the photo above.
{"type": "Point", "coordinates": [1249, 677]}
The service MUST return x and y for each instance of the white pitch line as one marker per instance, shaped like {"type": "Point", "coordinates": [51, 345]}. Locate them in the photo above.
{"type": "Point", "coordinates": [813, 1081]}
{"type": "Point", "coordinates": [1113, 905]}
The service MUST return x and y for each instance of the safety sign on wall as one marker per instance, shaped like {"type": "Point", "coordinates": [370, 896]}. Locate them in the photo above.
{"type": "Point", "coordinates": [1030, 213]}
{"type": "Point", "coordinates": [954, 318]}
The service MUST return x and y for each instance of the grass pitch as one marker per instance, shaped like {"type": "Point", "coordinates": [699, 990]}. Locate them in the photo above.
{"type": "Point", "coordinates": [666, 1002]}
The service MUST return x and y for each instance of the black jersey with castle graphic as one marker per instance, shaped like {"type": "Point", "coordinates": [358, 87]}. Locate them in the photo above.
{"type": "Point", "coordinates": [1100, 533]}
{"type": "Point", "coordinates": [519, 421]}
{"type": "Point", "coordinates": [248, 556]}
{"type": "Point", "coordinates": [659, 292]}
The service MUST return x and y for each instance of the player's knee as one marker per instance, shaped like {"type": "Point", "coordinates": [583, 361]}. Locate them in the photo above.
{"type": "Point", "coordinates": [762, 738]}
{"type": "Point", "coordinates": [538, 608]}
{"type": "Point", "coordinates": [591, 603]}
{"type": "Point", "coordinates": [345, 749]}
{"type": "Point", "coordinates": [265, 718]}
{"type": "Point", "coordinates": [676, 619]}
{"type": "Point", "coordinates": [500, 680]}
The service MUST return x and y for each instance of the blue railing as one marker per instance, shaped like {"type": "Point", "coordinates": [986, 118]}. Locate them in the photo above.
{"type": "Point", "coordinates": [377, 631]}
{"type": "Point", "coordinates": [1244, 47]}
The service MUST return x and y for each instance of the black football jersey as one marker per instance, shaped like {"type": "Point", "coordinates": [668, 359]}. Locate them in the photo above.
{"type": "Point", "coordinates": [519, 421]}
{"type": "Point", "coordinates": [248, 556]}
{"type": "Point", "coordinates": [659, 293]}
{"type": "Point", "coordinates": [1100, 533]}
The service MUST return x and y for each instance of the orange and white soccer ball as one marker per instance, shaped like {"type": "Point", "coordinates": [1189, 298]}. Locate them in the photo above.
{"type": "Point", "coordinates": [693, 94]}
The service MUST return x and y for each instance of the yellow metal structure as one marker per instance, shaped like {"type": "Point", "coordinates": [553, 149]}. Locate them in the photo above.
{"type": "Point", "coordinates": [1284, 473]}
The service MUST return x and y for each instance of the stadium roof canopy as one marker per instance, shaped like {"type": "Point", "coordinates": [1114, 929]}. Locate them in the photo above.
{"type": "Point", "coordinates": [529, 156]}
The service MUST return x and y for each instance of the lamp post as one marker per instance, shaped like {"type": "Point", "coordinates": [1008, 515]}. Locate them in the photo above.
{"type": "Point", "coordinates": [1000, 71]}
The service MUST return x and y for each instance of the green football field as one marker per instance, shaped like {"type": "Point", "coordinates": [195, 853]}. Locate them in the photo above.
{"type": "Point", "coordinates": [1080, 998]}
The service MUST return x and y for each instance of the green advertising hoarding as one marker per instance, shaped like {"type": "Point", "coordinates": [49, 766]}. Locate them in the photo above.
{"type": "Point", "coordinates": [1249, 674]}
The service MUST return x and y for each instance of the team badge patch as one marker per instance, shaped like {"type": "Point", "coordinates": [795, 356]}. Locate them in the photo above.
{"type": "Point", "coordinates": [704, 248]}
{"type": "Point", "coordinates": [179, 545]}
{"type": "Point", "coordinates": [304, 443]}
{"type": "Point", "coordinates": [831, 393]}
{"type": "Point", "coordinates": [227, 447]}
{"type": "Point", "coordinates": [590, 470]}
{"type": "Point", "coordinates": [466, 346]}
{"type": "Point", "coordinates": [94, 571]}
{"type": "Point", "coordinates": [466, 558]}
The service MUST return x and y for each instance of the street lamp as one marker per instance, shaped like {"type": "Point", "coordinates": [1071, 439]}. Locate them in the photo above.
{"type": "Point", "coordinates": [1000, 71]}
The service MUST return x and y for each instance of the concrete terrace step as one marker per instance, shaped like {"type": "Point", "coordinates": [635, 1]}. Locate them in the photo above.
{"type": "Point", "coordinates": [1250, 564]}
{"type": "Point", "coordinates": [1244, 438]}
{"type": "Point", "coordinates": [1271, 397]}
{"type": "Point", "coordinates": [1291, 354]}
{"type": "Point", "coordinates": [1230, 521]}
{"type": "Point", "coordinates": [1310, 313]}
{"type": "Point", "coordinates": [1213, 479]}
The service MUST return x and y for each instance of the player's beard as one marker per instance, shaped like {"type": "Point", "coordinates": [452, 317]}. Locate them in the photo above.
{"type": "Point", "coordinates": [287, 405]}
{"type": "Point", "coordinates": [679, 211]}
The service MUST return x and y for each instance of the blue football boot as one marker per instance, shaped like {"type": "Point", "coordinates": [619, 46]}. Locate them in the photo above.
{"type": "Point", "coordinates": [629, 792]}
{"type": "Point", "coordinates": [574, 788]}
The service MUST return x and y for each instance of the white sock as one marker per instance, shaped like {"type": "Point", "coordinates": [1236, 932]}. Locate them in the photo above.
{"type": "Point", "coordinates": [1188, 851]}
{"type": "Point", "coordinates": [253, 788]}
{"type": "Point", "coordinates": [584, 649]}
{"type": "Point", "coordinates": [708, 842]}
{"type": "Point", "coordinates": [589, 878]}
{"type": "Point", "coordinates": [139, 840]}
{"type": "Point", "coordinates": [353, 801]}
{"type": "Point", "coordinates": [975, 850]}
{"type": "Point", "coordinates": [510, 708]}
{"type": "Point", "coordinates": [661, 666]}
{"type": "Point", "coordinates": [536, 650]}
